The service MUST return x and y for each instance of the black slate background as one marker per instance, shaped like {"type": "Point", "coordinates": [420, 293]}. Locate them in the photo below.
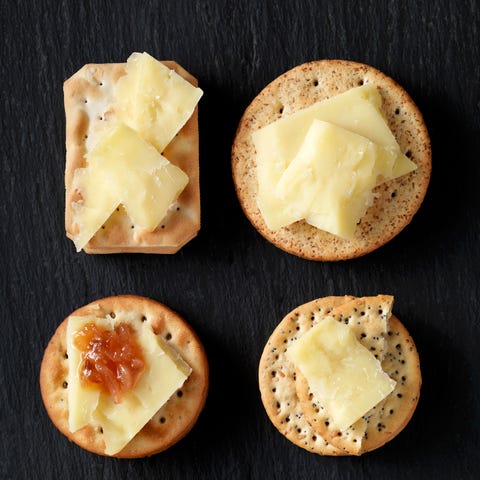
{"type": "Point", "coordinates": [230, 284]}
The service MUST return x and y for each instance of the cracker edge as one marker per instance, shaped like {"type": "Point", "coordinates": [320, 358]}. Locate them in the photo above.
{"type": "Point", "coordinates": [57, 343]}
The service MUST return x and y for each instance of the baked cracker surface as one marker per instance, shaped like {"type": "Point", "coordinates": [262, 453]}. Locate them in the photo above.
{"type": "Point", "coordinates": [89, 110]}
{"type": "Point", "coordinates": [176, 417]}
{"type": "Point", "coordinates": [397, 200]}
{"type": "Point", "coordinates": [300, 417]}
{"type": "Point", "coordinates": [277, 377]}
{"type": "Point", "coordinates": [390, 342]}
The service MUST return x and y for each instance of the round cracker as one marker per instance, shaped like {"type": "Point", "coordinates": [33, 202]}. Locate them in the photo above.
{"type": "Point", "coordinates": [276, 376]}
{"type": "Point", "coordinates": [176, 417]}
{"type": "Point", "coordinates": [397, 200]}
{"type": "Point", "coordinates": [388, 418]}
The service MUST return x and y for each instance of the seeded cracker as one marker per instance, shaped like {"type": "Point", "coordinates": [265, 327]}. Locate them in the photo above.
{"type": "Point", "coordinates": [384, 335]}
{"type": "Point", "coordinates": [398, 200]}
{"type": "Point", "coordinates": [173, 421]}
{"type": "Point", "coordinates": [277, 377]}
{"type": "Point", "coordinates": [89, 110]}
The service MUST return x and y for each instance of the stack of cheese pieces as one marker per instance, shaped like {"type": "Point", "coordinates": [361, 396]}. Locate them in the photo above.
{"type": "Point", "coordinates": [125, 165]}
{"type": "Point", "coordinates": [321, 164]}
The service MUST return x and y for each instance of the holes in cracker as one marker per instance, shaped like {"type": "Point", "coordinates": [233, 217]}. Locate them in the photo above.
{"type": "Point", "coordinates": [361, 82]}
{"type": "Point", "coordinates": [168, 336]}
{"type": "Point", "coordinates": [315, 83]}
{"type": "Point", "coordinates": [394, 194]}
{"type": "Point", "coordinates": [162, 420]}
{"type": "Point", "coordinates": [65, 355]}
{"type": "Point", "coordinates": [397, 111]}
{"type": "Point", "coordinates": [112, 314]}
{"type": "Point", "coordinates": [163, 226]}
{"type": "Point", "coordinates": [408, 153]}
{"type": "Point", "coordinates": [100, 430]}
{"type": "Point", "coordinates": [179, 394]}
{"type": "Point", "coordinates": [144, 318]}
{"type": "Point", "coordinates": [65, 384]}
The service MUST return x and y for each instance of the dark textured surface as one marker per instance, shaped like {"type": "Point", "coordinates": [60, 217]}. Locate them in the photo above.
{"type": "Point", "coordinates": [230, 284]}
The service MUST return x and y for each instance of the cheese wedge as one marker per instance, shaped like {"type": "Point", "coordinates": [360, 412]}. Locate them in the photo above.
{"type": "Point", "coordinates": [154, 100]}
{"type": "Point", "coordinates": [124, 169]}
{"type": "Point", "coordinates": [277, 144]}
{"type": "Point", "coordinates": [343, 375]}
{"type": "Point", "coordinates": [165, 373]}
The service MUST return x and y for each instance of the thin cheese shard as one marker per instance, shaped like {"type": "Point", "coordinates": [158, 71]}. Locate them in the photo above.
{"type": "Point", "coordinates": [124, 169]}
{"type": "Point", "coordinates": [154, 100]}
{"type": "Point", "coordinates": [277, 144]}
{"type": "Point", "coordinates": [342, 374]}
{"type": "Point", "coordinates": [164, 374]}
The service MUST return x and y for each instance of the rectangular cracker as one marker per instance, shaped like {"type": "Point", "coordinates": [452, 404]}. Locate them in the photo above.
{"type": "Point", "coordinates": [89, 110]}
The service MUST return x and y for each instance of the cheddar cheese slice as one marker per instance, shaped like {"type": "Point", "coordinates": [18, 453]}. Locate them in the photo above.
{"type": "Point", "coordinates": [124, 169]}
{"type": "Point", "coordinates": [277, 144]}
{"type": "Point", "coordinates": [165, 372]}
{"type": "Point", "coordinates": [154, 100]}
{"type": "Point", "coordinates": [343, 375]}
{"type": "Point", "coordinates": [330, 181]}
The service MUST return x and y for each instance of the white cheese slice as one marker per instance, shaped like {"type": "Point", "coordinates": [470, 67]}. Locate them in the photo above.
{"type": "Point", "coordinates": [330, 181]}
{"type": "Point", "coordinates": [154, 100]}
{"type": "Point", "coordinates": [124, 169]}
{"type": "Point", "coordinates": [343, 375]}
{"type": "Point", "coordinates": [356, 110]}
{"type": "Point", "coordinates": [164, 374]}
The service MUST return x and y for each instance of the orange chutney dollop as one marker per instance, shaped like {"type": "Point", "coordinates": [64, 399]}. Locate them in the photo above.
{"type": "Point", "coordinates": [112, 360]}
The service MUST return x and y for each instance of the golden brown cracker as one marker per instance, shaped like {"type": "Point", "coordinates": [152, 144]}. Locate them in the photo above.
{"type": "Point", "coordinates": [90, 109]}
{"type": "Point", "coordinates": [397, 200]}
{"type": "Point", "coordinates": [177, 416]}
{"type": "Point", "coordinates": [276, 374]}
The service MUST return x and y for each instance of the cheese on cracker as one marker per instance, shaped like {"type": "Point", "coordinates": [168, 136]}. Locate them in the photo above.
{"type": "Point", "coordinates": [292, 403]}
{"type": "Point", "coordinates": [273, 129]}
{"type": "Point", "coordinates": [120, 422]}
{"type": "Point", "coordinates": [326, 172]}
{"type": "Point", "coordinates": [154, 100]}
{"type": "Point", "coordinates": [117, 211]}
{"type": "Point", "coordinates": [124, 169]}
{"type": "Point", "coordinates": [346, 378]}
